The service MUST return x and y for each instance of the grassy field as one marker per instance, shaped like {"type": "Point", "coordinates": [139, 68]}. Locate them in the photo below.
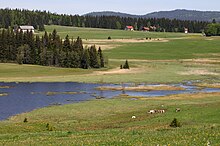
{"type": "Point", "coordinates": [141, 72]}
{"type": "Point", "coordinates": [176, 58]}
{"type": "Point", "coordinates": [188, 48]}
{"type": "Point", "coordinates": [109, 122]}
{"type": "Point", "coordinates": [96, 33]}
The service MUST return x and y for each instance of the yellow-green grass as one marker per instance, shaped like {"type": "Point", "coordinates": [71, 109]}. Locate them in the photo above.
{"type": "Point", "coordinates": [150, 72]}
{"type": "Point", "coordinates": [109, 122]}
{"type": "Point", "coordinates": [96, 33]}
{"type": "Point", "coordinates": [153, 72]}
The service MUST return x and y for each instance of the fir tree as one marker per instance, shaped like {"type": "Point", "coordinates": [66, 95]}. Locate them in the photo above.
{"type": "Point", "coordinates": [126, 65]}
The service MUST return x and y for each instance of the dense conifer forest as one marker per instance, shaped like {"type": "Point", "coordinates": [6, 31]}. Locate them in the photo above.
{"type": "Point", "coordinates": [13, 17]}
{"type": "Point", "coordinates": [49, 50]}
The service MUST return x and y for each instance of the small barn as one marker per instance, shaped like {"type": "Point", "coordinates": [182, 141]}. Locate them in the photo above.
{"type": "Point", "coordinates": [25, 28]}
{"type": "Point", "coordinates": [186, 30]}
{"type": "Point", "coordinates": [131, 28]}
{"type": "Point", "coordinates": [145, 29]}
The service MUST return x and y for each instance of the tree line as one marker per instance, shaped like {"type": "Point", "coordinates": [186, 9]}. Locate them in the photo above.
{"type": "Point", "coordinates": [12, 17]}
{"type": "Point", "coordinates": [48, 50]}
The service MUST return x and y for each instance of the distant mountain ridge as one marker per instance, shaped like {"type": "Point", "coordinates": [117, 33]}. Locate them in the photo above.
{"type": "Point", "coordinates": [111, 13]}
{"type": "Point", "coordinates": [180, 14]}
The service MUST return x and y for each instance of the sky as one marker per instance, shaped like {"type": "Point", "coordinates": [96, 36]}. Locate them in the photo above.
{"type": "Point", "coordinates": [138, 7]}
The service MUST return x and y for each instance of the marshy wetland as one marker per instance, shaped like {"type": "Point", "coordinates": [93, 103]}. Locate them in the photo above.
{"type": "Point", "coordinates": [24, 97]}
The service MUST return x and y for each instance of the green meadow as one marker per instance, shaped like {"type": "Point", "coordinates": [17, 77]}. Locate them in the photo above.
{"type": "Point", "coordinates": [110, 122]}
{"type": "Point", "coordinates": [174, 58]}
{"type": "Point", "coordinates": [97, 33]}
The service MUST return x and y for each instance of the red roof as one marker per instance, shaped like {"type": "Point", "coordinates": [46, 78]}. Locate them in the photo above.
{"type": "Point", "coordinates": [146, 28]}
{"type": "Point", "coordinates": [129, 27]}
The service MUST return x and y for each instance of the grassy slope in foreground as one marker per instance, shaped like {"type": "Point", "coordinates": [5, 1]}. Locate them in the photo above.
{"type": "Point", "coordinates": [109, 122]}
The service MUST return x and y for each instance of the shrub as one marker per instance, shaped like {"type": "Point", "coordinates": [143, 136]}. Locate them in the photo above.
{"type": "Point", "coordinates": [25, 120]}
{"type": "Point", "coordinates": [126, 66]}
{"type": "Point", "coordinates": [49, 127]}
{"type": "Point", "coordinates": [175, 123]}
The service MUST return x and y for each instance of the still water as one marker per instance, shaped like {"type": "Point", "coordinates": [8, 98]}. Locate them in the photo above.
{"type": "Point", "coordinates": [24, 97]}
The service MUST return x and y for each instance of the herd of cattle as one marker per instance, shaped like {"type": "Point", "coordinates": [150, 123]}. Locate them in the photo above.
{"type": "Point", "coordinates": [161, 111]}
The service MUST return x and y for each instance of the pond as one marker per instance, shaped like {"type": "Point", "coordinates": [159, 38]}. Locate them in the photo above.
{"type": "Point", "coordinates": [16, 98]}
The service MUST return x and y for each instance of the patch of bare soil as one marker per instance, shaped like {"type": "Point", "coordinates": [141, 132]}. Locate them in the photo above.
{"type": "Point", "coordinates": [198, 72]}
{"type": "Point", "coordinates": [206, 85]}
{"type": "Point", "coordinates": [104, 46]}
{"type": "Point", "coordinates": [5, 87]}
{"type": "Point", "coordinates": [185, 96]}
{"type": "Point", "coordinates": [3, 94]}
{"type": "Point", "coordinates": [113, 43]}
{"type": "Point", "coordinates": [204, 60]}
{"type": "Point", "coordinates": [119, 71]}
{"type": "Point", "coordinates": [124, 40]}
{"type": "Point", "coordinates": [141, 88]}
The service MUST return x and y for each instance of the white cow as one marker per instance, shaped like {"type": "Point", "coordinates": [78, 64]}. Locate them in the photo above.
{"type": "Point", "coordinates": [152, 111]}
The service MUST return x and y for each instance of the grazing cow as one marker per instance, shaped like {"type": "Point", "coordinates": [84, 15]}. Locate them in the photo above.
{"type": "Point", "coordinates": [133, 117]}
{"type": "Point", "coordinates": [161, 111]}
{"type": "Point", "coordinates": [177, 109]}
{"type": "Point", "coordinates": [152, 111]}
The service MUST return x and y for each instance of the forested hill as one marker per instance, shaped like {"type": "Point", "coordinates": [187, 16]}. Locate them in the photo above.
{"type": "Point", "coordinates": [111, 13]}
{"type": "Point", "coordinates": [186, 15]}
{"type": "Point", "coordinates": [175, 14]}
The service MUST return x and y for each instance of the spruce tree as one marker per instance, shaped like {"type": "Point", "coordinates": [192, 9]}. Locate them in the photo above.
{"type": "Point", "coordinates": [126, 65]}
{"type": "Point", "coordinates": [85, 59]}
{"type": "Point", "coordinates": [100, 55]}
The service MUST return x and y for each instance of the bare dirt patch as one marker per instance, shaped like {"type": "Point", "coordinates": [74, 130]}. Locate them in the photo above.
{"type": "Point", "coordinates": [89, 41]}
{"type": "Point", "coordinates": [206, 85]}
{"type": "Point", "coordinates": [187, 96]}
{"type": "Point", "coordinates": [177, 97]}
{"type": "Point", "coordinates": [204, 60]}
{"type": "Point", "coordinates": [198, 72]}
{"type": "Point", "coordinates": [141, 88]}
{"type": "Point", "coordinates": [119, 71]}
{"type": "Point", "coordinates": [113, 43]}
{"type": "Point", "coordinates": [104, 46]}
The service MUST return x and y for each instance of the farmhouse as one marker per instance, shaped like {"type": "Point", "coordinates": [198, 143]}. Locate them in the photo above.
{"type": "Point", "coordinates": [131, 28]}
{"type": "Point", "coordinates": [186, 30]}
{"type": "Point", "coordinates": [145, 29]}
{"type": "Point", "coordinates": [153, 28]}
{"type": "Point", "coordinates": [25, 28]}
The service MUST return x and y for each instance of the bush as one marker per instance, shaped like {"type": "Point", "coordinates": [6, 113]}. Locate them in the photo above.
{"type": "Point", "coordinates": [126, 66]}
{"type": "Point", "coordinates": [25, 120]}
{"type": "Point", "coordinates": [175, 123]}
{"type": "Point", "coordinates": [49, 127]}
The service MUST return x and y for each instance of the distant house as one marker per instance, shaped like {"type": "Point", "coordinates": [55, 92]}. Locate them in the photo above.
{"type": "Point", "coordinates": [186, 30]}
{"type": "Point", "coordinates": [153, 28]}
{"type": "Point", "coordinates": [145, 29]}
{"type": "Point", "coordinates": [25, 28]}
{"type": "Point", "coordinates": [131, 28]}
